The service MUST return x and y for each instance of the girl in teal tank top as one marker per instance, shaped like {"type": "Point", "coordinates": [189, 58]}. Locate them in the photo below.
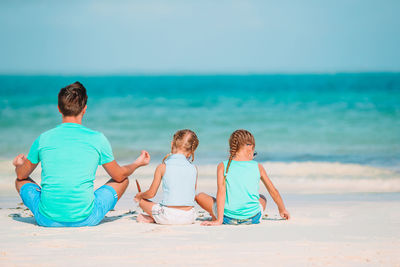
{"type": "Point", "coordinates": [242, 189]}
{"type": "Point", "coordinates": [238, 200]}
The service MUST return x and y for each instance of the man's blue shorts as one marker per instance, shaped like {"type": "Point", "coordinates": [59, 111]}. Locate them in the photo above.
{"type": "Point", "coordinates": [105, 199]}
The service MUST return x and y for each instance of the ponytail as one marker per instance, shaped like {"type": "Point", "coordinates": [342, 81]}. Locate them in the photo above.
{"type": "Point", "coordinates": [169, 154]}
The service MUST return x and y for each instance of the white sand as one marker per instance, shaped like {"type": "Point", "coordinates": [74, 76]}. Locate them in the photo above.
{"type": "Point", "coordinates": [329, 229]}
{"type": "Point", "coordinates": [326, 230]}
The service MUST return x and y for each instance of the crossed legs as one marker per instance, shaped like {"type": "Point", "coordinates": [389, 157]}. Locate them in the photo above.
{"type": "Point", "coordinates": [20, 183]}
{"type": "Point", "coordinates": [207, 202]}
{"type": "Point", "coordinates": [146, 206]}
{"type": "Point", "coordinates": [119, 187]}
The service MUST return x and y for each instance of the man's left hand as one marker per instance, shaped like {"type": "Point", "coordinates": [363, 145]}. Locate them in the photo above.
{"type": "Point", "coordinates": [143, 159]}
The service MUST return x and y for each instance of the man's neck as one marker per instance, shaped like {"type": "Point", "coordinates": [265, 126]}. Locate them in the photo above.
{"type": "Point", "coordinates": [71, 119]}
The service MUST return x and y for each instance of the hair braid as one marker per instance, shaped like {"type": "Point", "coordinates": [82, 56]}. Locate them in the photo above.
{"type": "Point", "coordinates": [186, 140]}
{"type": "Point", "coordinates": [192, 150]}
{"type": "Point", "coordinates": [166, 156]}
{"type": "Point", "coordinates": [237, 140]}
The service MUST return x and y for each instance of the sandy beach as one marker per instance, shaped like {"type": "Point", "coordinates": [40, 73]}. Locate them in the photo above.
{"type": "Point", "coordinates": [358, 231]}
{"type": "Point", "coordinates": [331, 229]}
{"type": "Point", "coordinates": [308, 89]}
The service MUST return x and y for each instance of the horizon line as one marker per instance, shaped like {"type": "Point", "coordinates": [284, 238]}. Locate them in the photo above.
{"type": "Point", "coordinates": [104, 74]}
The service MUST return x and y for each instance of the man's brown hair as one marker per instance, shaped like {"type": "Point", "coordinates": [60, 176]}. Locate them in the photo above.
{"type": "Point", "coordinates": [72, 99]}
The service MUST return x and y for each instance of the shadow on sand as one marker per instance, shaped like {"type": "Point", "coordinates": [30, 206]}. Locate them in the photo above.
{"type": "Point", "coordinates": [108, 219]}
{"type": "Point", "coordinates": [31, 220]}
{"type": "Point", "coordinates": [203, 219]}
{"type": "Point", "coordinates": [272, 219]}
{"type": "Point", "coordinates": [19, 218]}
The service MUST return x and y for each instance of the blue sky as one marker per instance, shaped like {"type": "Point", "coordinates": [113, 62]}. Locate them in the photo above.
{"type": "Point", "coordinates": [134, 37]}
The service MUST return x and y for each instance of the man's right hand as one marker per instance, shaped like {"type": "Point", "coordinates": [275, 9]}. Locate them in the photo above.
{"type": "Point", "coordinates": [19, 160]}
{"type": "Point", "coordinates": [143, 159]}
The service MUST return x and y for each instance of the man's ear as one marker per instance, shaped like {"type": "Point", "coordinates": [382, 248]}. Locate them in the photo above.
{"type": "Point", "coordinates": [59, 109]}
{"type": "Point", "coordinates": [84, 110]}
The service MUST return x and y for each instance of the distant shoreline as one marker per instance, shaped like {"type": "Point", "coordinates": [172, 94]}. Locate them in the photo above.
{"type": "Point", "coordinates": [199, 74]}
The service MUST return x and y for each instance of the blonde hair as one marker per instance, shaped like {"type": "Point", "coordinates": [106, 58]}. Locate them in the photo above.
{"type": "Point", "coordinates": [238, 139]}
{"type": "Point", "coordinates": [184, 139]}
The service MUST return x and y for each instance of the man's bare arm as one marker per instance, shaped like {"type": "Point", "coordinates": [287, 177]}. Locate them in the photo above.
{"type": "Point", "coordinates": [23, 167]}
{"type": "Point", "coordinates": [119, 173]}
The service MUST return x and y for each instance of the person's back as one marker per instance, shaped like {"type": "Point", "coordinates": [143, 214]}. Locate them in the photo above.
{"type": "Point", "coordinates": [238, 200]}
{"type": "Point", "coordinates": [70, 155]}
{"type": "Point", "coordinates": [179, 178]}
{"type": "Point", "coordinates": [242, 189]}
{"type": "Point", "coordinates": [178, 181]}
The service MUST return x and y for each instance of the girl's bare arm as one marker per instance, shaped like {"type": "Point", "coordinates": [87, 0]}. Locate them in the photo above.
{"type": "Point", "coordinates": [221, 191]}
{"type": "Point", "coordinates": [274, 193]}
{"type": "Point", "coordinates": [152, 191]}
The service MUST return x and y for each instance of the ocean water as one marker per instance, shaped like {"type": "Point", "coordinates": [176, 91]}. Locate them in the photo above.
{"type": "Point", "coordinates": [336, 118]}
{"type": "Point", "coordinates": [310, 119]}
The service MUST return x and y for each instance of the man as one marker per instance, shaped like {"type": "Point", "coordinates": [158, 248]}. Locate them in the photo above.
{"type": "Point", "coordinates": [70, 155]}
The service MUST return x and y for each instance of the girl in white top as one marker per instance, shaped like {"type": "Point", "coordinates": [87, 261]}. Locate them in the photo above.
{"type": "Point", "coordinates": [179, 178]}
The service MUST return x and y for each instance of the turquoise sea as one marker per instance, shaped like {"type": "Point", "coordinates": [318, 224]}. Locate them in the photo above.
{"type": "Point", "coordinates": [346, 118]}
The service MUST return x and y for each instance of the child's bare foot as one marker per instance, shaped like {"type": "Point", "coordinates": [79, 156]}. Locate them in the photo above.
{"type": "Point", "coordinates": [142, 218]}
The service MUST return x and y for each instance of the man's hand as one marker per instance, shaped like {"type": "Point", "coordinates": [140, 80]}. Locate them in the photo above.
{"type": "Point", "coordinates": [23, 167]}
{"type": "Point", "coordinates": [211, 223]}
{"type": "Point", "coordinates": [285, 214]}
{"type": "Point", "coordinates": [143, 159]}
{"type": "Point", "coordinates": [19, 160]}
{"type": "Point", "coordinates": [119, 173]}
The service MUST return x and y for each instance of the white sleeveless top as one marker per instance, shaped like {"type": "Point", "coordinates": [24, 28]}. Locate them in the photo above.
{"type": "Point", "coordinates": [179, 181]}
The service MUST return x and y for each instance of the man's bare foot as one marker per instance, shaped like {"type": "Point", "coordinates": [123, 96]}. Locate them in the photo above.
{"type": "Point", "coordinates": [142, 218]}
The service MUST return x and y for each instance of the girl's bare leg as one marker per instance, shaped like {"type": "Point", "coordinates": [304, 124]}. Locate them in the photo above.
{"type": "Point", "coordinates": [206, 202]}
{"type": "Point", "coordinates": [263, 202]}
{"type": "Point", "coordinates": [146, 206]}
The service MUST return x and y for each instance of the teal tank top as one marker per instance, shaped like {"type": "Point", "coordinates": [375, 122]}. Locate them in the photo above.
{"type": "Point", "coordinates": [242, 189]}
{"type": "Point", "coordinates": [179, 181]}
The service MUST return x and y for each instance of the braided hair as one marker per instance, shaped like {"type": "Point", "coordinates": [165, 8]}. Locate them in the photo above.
{"type": "Point", "coordinates": [238, 139]}
{"type": "Point", "coordinates": [186, 140]}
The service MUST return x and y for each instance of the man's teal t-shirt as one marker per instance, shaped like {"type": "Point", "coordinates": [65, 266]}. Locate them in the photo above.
{"type": "Point", "coordinates": [70, 155]}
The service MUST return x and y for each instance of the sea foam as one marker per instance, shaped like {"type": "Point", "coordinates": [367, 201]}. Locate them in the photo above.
{"type": "Point", "coordinates": [288, 177]}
